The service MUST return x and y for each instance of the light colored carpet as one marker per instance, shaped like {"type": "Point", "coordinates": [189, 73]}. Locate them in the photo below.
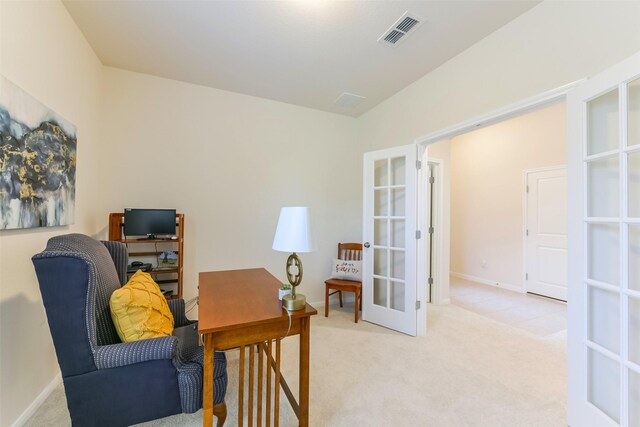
{"type": "Point", "coordinates": [468, 371]}
{"type": "Point", "coordinates": [536, 314]}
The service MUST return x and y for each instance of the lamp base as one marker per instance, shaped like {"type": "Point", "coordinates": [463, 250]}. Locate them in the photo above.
{"type": "Point", "coordinates": [291, 304]}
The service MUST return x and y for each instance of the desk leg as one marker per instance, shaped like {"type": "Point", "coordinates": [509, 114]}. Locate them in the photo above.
{"type": "Point", "coordinates": [304, 372]}
{"type": "Point", "coordinates": [207, 404]}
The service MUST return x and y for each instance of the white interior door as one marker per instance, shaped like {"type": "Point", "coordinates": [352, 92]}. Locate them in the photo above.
{"type": "Point", "coordinates": [546, 236]}
{"type": "Point", "coordinates": [389, 253]}
{"type": "Point", "coordinates": [604, 248]}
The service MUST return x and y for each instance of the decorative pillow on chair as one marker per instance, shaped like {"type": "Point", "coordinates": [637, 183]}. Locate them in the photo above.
{"type": "Point", "coordinates": [347, 270]}
{"type": "Point", "coordinates": [139, 310]}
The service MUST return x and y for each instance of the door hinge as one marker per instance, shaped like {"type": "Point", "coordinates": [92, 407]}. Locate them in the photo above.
{"type": "Point", "coordinates": [430, 281]}
{"type": "Point", "coordinates": [527, 188]}
{"type": "Point", "coordinates": [418, 164]}
{"type": "Point", "coordinates": [526, 276]}
{"type": "Point", "coordinates": [418, 234]}
{"type": "Point", "coordinates": [431, 230]}
{"type": "Point", "coordinates": [432, 180]}
{"type": "Point", "coordinates": [527, 232]}
{"type": "Point", "coordinates": [417, 305]}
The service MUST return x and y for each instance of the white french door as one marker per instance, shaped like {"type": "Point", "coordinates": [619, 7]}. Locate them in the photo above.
{"type": "Point", "coordinates": [604, 248]}
{"type": "Point", "coordinates": [546, 236]}
{"type": "Point", "coordinates": [389, 253]}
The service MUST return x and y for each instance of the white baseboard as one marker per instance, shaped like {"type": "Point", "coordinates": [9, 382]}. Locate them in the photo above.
{"type": "Point", "coordinates": [494, 283]}
{"type": "Point", "coordinates": [37, 402]}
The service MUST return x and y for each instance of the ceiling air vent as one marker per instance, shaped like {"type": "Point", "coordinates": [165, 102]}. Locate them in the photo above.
{"type": "Point", "coordinates": [399, 30]}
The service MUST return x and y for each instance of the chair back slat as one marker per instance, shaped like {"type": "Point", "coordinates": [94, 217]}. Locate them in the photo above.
{"type": "Point", "coordinates": [350, 251]}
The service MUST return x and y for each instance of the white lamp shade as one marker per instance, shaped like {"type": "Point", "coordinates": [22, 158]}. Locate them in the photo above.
{"type": "Point", "coordinates": [293, 233]}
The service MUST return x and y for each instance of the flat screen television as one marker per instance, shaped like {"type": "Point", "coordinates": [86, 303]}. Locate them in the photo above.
{"type": "Point", "coordinates": [149, 222]}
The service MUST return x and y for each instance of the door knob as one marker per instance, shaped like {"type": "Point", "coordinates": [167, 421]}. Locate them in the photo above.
{"type": "Point", "coordinates": [366, 244]}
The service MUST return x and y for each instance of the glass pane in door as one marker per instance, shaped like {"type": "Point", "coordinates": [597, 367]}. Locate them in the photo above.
{"type": "Point", "coordinates": [398, 171]}
{"type": "Point", "coordinates": [397, 201]}
{"type": "Point", "coordinates": [633, 128]}
{"type": "Point", "coordinates": [634, 399]}
{"type": "Point", "coordinates": [380, 262]}
{"type": "Point", "coordinates": [397, 264]}
{"type": "Point", "coordinates": [604, 376]}
{"type": "Point", "coordinates": [381, 202]}
{"type": "Point", "coordinates": [633, 183]}
{"type": "Point", "coordinates": [380, 229]}
{"type": "Point", "coordinates": [603, 123]}
{"type": "Point", "coordinates": [603, 182]}
{"type": "Point", "coordinates": [397, 231]}
{"type": "Point", "coordinates": [397, 295]}
{"type": "Point", "coordinates": [380, 173]}
{"type": "Point", "coordinates": [604, 318]}
{"type": "Point", "coordinates": [380, 292]}
{"type": "Point", "coordinates": [604, 253]}
{"type": "Point", "coordinates": [634, 257]}
{"type": "Point", "coordinates": [634, 330]}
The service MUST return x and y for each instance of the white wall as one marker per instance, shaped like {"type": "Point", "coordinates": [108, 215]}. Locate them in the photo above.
{"type": "Point", "coordinates": [555, 43]}
{"type": "Point", "coordinates": [230, 162]}
{"type": "Point", "coordinates": [43, 52]}
{"type": "Point", "coordinates": [487, 191]}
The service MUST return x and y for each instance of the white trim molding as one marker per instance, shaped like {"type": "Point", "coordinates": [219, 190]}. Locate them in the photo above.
{"type": "Point", "coordinates": [494, 283]}
{"type": "Point", "coordinates": [37, 402]}
{"type": "Point", "coordinates": [501, 114]}
{"type": "Point", "coordinates": [440, 270]}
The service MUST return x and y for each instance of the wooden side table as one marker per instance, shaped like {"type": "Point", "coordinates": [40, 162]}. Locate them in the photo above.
{"type": "Point", "coordinates": [240, 308]}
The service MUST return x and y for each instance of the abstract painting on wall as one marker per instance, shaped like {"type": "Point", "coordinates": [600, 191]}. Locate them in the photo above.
{"type": "Point", "coordinates": [37, 162]}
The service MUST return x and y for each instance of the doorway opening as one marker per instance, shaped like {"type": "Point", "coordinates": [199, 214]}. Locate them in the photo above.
{"type": "Point", "coordinates": [503, 244]}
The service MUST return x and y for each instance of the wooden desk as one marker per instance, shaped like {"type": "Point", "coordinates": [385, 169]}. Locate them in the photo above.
{"type": "Point", "coordinates": [240, 308]}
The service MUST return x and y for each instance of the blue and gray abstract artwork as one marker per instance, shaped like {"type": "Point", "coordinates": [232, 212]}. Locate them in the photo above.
{"type": "Point", "coordinates": [37, 162]}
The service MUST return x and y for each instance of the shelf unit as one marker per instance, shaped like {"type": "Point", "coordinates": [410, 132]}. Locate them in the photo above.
{"type": "Point", "coordinates": [169, 278]}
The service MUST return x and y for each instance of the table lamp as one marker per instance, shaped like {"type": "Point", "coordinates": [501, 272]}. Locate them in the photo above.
{"type": "Point", "coordinates": [293, 234]}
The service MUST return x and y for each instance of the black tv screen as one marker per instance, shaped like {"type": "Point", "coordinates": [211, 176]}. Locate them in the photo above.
{"type": "Point", "coordinates": [149, 222]}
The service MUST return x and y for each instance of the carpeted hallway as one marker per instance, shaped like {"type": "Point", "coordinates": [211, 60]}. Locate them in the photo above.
{"type": "Point", "coordinates": [468, 371]}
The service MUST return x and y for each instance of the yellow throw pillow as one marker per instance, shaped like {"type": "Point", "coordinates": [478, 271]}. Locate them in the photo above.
{"type": "Point", "coordinates": [139, 310]}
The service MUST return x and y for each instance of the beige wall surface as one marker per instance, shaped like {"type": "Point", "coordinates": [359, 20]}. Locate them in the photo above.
{"type": "Point", "coordinates": [230, 162]}
{"type": "Point", "coordinates": [555, 43]}
{"type": "Point", "coordinates": [43, 52]}
{"type": "Point", "coordinates": [487, 191]}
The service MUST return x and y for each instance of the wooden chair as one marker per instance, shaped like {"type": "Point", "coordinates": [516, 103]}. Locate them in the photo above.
{"type": "Point", "coordinates": [348, 252]}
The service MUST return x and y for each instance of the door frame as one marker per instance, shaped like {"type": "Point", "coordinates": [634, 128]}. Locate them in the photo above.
{"type": "Point", "coordinates": [440, 273]}
{"type": "Point", "coordinates": [501, 114]}
{"type": "Point", "coordinates": [525, 212]}
{"type": "Point", "coordinates": [422, 142]}
{"type": "Point", "coordinates": [422, 249]}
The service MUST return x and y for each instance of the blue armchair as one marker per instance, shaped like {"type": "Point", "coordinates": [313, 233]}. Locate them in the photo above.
{"type": "Point", "coordinates": [107, 382]}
